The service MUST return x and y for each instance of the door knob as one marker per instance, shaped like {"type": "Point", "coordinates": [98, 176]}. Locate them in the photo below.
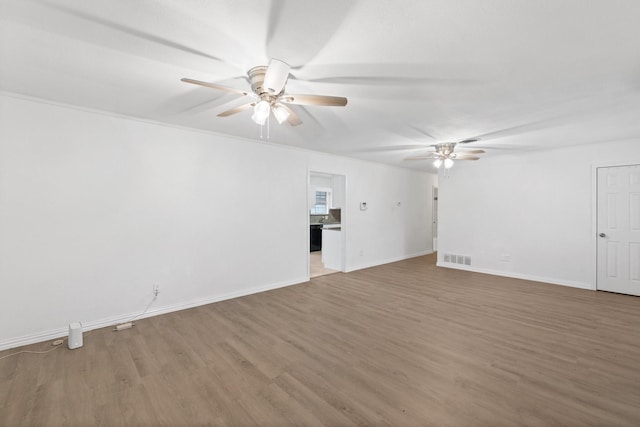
{"type": "Point", "coordinates": [603, 235]}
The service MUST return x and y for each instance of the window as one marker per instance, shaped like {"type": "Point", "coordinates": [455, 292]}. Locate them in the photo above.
{"type": "Point", "coordinates": [322, 203]}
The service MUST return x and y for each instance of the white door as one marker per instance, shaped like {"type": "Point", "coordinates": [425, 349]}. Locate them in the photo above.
{"type": "Point", "coordinates": [618, 253]}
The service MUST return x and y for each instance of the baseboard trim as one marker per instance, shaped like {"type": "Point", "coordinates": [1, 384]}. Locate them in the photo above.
{"type": "Point", "coordinates": [386, 261]}
{"type": "Point", "coordinates": [111, 321]}
{"type": "Point", "coordinates": [513, 275]}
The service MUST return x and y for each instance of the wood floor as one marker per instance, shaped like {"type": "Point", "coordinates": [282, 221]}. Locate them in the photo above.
{"type": "Point", "coordinates": [316, 266]}
{"type": "Point", "coordinates": [404, 344]}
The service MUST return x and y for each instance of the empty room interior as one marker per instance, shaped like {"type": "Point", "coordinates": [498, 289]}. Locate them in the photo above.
{"type": "Point", "coordinates": [319, 213]}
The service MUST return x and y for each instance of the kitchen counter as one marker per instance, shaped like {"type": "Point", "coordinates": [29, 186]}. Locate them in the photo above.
{"type": "Point", "coordinates": [332, 228]}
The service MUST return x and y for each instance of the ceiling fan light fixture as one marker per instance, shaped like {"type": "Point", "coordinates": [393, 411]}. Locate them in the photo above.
{"type": "Point", "coordinates": [448, 163]}
{"type": "Point", "coordinates": [261, 112]}
{"type": "Point", "coordinates": [437, 163]}
{"type": "Point", "coordinates": [281, 113]}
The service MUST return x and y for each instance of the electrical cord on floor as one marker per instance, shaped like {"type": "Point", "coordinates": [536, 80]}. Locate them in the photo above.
{"type": "Point", "coordinates": [56, 343]}
{"type": "Point", "coordinates": [130, 321]}
{"type": "Point", "coordinates": [145, 310]}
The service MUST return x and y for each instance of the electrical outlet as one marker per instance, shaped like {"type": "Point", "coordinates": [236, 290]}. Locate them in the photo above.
{"type": "Point", "coordinates": [156, 289]}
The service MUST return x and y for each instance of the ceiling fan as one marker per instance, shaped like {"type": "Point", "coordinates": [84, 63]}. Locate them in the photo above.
{"type": "Point", "coordinates": [445, 155]}
{"type": "Point", "coordinates": [268, 91]}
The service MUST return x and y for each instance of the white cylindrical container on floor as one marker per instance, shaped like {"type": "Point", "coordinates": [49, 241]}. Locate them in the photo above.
{"type": "Point", "coordinates": [75, 335]}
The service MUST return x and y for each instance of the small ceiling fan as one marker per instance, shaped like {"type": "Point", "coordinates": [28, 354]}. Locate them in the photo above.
{"type": "Point", "coordinates": [268, 91]}
{"type": "Point", "coordinates": [445, 155]}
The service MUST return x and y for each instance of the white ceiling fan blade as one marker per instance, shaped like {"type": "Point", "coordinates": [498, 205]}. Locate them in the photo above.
{"type": "Point", "coordinates": [425, 157]}
{"type": "Point", "coordinates": [276, 76]}
{"type": "Point", "coordinates": [472, 152]}
{"type": "Point", "coordinates": [215, 86]}
{"type": "Point", "coordinates": [236, 110]}
{"type": "Point", "coordinates": [463, 157]}
{"type": "Point", "coordinates": [331, 101]}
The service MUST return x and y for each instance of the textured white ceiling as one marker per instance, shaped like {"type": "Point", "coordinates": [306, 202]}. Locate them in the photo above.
{"type": "Point", "coordinates": [519, 74]}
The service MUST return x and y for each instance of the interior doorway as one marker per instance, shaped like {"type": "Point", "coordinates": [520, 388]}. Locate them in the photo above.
{"type": "Point", "coordinates": [618, 229]}
{"type": "Point", "coordinates": [326, 212]}
{"type": "Point", "coordinates": [434, 223]}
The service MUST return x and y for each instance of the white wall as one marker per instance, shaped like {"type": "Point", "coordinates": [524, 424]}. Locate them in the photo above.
{"type": "Point", "coordinates": [338, 185]}
{"type": "Point", "coordinates": [95, 209]}
{"type": "Point", "coordinates": [318, 182]}
{"type": "Point", "coordinates": [534, 209]}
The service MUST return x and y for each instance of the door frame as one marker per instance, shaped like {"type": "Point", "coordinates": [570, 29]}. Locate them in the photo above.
{"type": "Point", "coordinates": [435, 195]}
{"type": "Point", "coordinates": [594, 210]}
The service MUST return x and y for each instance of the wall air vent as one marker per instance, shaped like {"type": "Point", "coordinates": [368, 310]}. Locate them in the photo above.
{"type": "Point", "coordinates": [457, 259]}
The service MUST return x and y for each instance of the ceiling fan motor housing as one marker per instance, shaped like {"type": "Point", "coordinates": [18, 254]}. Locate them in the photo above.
{"type": "Point", "coordinates": [446, 148]}
{"type": "Point", "coordinates": [256, 77]}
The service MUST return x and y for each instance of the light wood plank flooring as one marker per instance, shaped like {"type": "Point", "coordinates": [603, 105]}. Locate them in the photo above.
{"type": "Point", "coordinates": [316, 266]}
{"type": "Point", "coordinates": [404, 344]}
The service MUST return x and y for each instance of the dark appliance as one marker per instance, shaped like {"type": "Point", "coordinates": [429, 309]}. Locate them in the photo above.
{"type": "Point", "coordinates": [315, 241]}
